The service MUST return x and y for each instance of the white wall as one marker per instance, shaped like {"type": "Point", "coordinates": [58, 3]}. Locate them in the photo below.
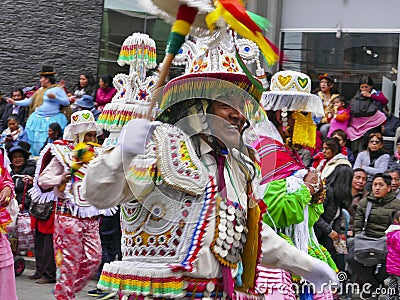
{"type": "Point", "coordinates": [352, 15]}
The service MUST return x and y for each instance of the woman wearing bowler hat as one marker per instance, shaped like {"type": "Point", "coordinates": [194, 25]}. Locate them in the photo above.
{"type": "Point", "coordinates": [46, 103]}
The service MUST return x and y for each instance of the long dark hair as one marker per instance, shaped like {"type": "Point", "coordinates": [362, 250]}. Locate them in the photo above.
{"type": "Point", "coordinates": [339, 185]}
{"type": "Point", "coordinates": [91, 86]}
{"type": "Point", "coordinates": [57, 130]}
{"type": "Point", "coordinates": [107, 79]}
{"type": "Point", "coordinates": [333, 144]}
{"type": "Point", "coordinates": [367, 80]}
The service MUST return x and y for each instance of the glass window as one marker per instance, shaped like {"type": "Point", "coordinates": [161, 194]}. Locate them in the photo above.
{"type": "Point", "coordinates": [346, 57]}
{"type": "Point", "coordinates": [118, 24]}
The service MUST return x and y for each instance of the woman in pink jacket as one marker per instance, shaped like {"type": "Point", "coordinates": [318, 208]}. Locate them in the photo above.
{"type": "Point", "coordinates": [393, 256]}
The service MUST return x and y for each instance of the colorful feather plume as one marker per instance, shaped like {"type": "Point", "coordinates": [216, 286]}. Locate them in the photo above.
{"type": "Point", "coordinates": [235, 15]}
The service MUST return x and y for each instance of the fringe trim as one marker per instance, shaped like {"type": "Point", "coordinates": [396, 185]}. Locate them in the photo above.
{"type": "Point", "coordinates": [208, 85]}
{"type": "Point", "coordinates": [131, 278]}
{"type": "Point", "coordinates": [116, 115]}
{"type": "Point", "coordinates": [36, 192]}
{"type": "Point", "coordinates": [293, 101]}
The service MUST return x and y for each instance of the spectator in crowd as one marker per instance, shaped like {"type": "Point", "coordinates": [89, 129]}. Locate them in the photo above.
{"type": "Point", "coordinates": [395, 184]}
{"type": "Point", "coordinates": [394, 162]}
{"type": "Point", "coordinates": [393, 256]}
{"type": "Point", "coordinates": [342, 138]}
{"type": "Point", "coordinates": [341, 115]}
{"type": "Point", "coordinates": [54, 133]}
{"type": "Point", "coordinates": [11, 109]}
{"type": "Point", "coordinates": [362, 124]}
{"type": "Point", "coordinates": [384, 203]}
{"type": "Point", "coordinates": [373, 160]}
{"type": "Point", "coordinates": [358, 191]}
{"type": "Point", "coordinates": [337, 172]}
{"type": "Point", "coordinates": [389, 128]}
{"type": "Point", "coordinates": [304, 154]}
{"type": "Point", "coordinates": [338, 196]}
{"type": "Point", "coordinates": [22, 172]}
{"type": "Point", "coordinates": [3, 104]}
{"type": "Point", "coordinates": [13, 133]}
{"type": "Point", "coordinates": [48, 102]}
{"type": "Point", "coordinates": [105, 92]}
{"type": "Point", "coordinates": [87, 103]}
{"type": "Point", "coordinates": [327, 92]}
{"type": "Point", "coordinates": [85, 86]}
{"type": "Point", "coordinates": [333, 157]}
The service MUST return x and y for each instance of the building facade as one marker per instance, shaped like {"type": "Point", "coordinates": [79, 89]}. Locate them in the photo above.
{"type": "Point", "coordinates": [65, 34]}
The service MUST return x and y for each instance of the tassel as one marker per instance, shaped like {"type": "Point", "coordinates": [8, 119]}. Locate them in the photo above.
{"type": "Point", "coordinates": [184, 20]}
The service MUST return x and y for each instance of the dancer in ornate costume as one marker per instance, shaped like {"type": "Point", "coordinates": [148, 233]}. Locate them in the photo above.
{"type": "Point", "coordinates": [8, 208]}
{"type": "Point", "coordinates": [59, 174]}
{"type": "Point", "coordinates": [191, 226]}
{"type": "Point", "coordinates": [287, 187]}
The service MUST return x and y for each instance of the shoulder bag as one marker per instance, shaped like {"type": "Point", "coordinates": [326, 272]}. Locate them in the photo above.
{"type": "Point", "coordinates": [41, 211]}
{"type": "Point", "coordinates": [362, 107]}
{"type": "Point", "coordinates": [369, 251]}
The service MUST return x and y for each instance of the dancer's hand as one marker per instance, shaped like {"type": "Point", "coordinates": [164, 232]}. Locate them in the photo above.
{"type": "Point", "coordinates": [5, 196]}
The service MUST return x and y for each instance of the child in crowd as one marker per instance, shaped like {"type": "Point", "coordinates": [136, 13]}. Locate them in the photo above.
{"type": "Point", "coordinates": [340, 115]}
{"type": "Point", "coordinates": [13, 133]}
{"type": "Point", "coordinates": [393, 256]}
{"type": "Point", "coordinates": [342, 137]}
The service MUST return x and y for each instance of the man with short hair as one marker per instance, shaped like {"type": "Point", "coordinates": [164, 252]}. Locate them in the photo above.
{"type": "Point", "coordinates": [395, 184]}
{"type": "Point", "coordinates": [358, 191]}
{"type": "Point", "coordinates": [11, 109]}
{"type": "Point", "coordinates": [384, 203]}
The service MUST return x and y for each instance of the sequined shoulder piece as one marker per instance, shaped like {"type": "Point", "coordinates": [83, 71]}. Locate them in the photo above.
{"type": "Point", "coordinates": [178, 162]}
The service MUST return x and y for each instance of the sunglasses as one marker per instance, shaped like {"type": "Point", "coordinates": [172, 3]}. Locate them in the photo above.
{"type": "Point", "coordinates": [375, 141]}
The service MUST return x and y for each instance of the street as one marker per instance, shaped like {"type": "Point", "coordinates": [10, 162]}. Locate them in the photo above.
{"type": "Point", "coordinates": [29, 290]}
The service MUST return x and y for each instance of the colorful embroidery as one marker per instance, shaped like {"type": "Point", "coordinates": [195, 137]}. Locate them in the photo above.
{"type": "Point", "coordinates": [177, 160]}
{"type": "Point", "coordinates": [166, 230]}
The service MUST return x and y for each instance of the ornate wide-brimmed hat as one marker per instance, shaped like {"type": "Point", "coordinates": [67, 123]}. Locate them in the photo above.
{"type": "Point", "coordinates": [134, 90]}
{"type": "Point", "coordinates": [291, 91]}
{"type": "Point", "coordinates": [213, 55]}
{"type": "Point", "coordinates": [81, 122]}
{"type": "Point", "coordinates": [47, 70]}
{"type": "Point", "coordinates": [213, 67]}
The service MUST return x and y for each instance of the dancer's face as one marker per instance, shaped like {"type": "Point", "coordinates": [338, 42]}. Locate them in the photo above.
{"type": "Point", "coordinates": [90, 136]}
{"type": "Point", "coordinates": [227, 121]}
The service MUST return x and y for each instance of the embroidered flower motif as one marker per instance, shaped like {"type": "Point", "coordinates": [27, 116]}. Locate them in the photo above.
{"type": "Point", "coordinates": [198, 66]}
{"type": "Point", "coordinates": [230, 64]}
{"type": "Point", "coordinates": [142, 94]}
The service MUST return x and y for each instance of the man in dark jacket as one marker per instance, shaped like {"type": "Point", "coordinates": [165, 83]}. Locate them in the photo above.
{"type": "Point", "coordinates": [384, 203]}
{"type": "Point", "coordinates": [10, 109]}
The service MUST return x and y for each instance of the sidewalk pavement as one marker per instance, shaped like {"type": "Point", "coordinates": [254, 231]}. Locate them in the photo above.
{"type": "Point", "coordinates": [30, 290]}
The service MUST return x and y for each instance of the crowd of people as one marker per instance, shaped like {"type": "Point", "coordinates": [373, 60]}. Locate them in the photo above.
{"type": "Point", "coordinates": [335, 177]}
{"type": "Point", "coordinates": [27, 116]}
{"type": "Point", "coordinates": [189, 205]}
